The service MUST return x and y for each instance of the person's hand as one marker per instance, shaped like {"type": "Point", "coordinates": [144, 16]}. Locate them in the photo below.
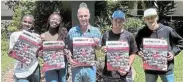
{"type": "Point", "coordinates": [140, 53]}
{"type": "Point", "coordinates": [10, 51]}
{"type": "Point", "coordinates": [170, 56]}
{"type": "Point", "coordinates": [122, 73]}
{"type": "Point", "coordinates": [104, 49]}
{"type": "Point", "coordinates": [96, 41]}
{"type": "Point", "coordinates": [40, 53]}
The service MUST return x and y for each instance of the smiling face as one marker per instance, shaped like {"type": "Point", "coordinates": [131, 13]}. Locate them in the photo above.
{"type": "Point", "coordinates": [54, 21]}
{"type": "Point", "coordinates": [151, 20]}
{"type": "Point", "coordinates": [83, 16]}
{"type": "Point", "coordinates": [27, 22]}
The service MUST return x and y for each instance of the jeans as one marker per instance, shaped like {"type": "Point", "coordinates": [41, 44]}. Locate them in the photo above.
{"type": "Point", "coordinates": [164, 77]}
{"type": "Point", "coordinates": [84, 74]}
{"type": "Point", "coordinates": [35, 77]}
{"type": "Point", "coordinates": [58, 75]}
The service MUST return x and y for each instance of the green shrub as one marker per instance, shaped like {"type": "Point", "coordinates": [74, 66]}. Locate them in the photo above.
{"type": "Point", "coordinates": [133, 24]}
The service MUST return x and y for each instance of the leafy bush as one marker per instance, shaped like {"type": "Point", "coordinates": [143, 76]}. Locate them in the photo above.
{"type": "Point", "coordinates": [41, 10]}
{"type": "Point", "coordinates": [5, 59]}
{"type": "Point", "coordinates": [133, 24]}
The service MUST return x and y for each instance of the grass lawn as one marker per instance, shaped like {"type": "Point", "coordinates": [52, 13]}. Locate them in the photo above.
{"type": "Point", "coordinates": [7, 63]}
{"type": "Point", "coordinates": [178, 72]}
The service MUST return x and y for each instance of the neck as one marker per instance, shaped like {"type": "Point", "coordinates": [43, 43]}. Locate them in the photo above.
{"type": "Point", "coordinates": [117, 30]}
{"type": "Point", "coordinates": [53, 31]}
{"type": "Point", "coordinates": [84, 28]}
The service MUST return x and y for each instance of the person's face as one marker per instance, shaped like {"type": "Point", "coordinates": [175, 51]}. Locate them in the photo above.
{"type": "Point", "coordinates": [27, 23]}
{"type": "Point", "coordinates": [54, 21]}
{"type": "Point", "coordinates": [150, 20]}
{"type": "Point", "coordinates": [117, 22]}
{"type": "Point", "coordinates": [83, 16]}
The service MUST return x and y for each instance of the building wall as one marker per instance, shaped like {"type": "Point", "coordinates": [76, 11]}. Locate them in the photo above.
{"type": "Point", "coordinates": [179, 8]}
{"type": "Point", "coordinates": [6, 13]}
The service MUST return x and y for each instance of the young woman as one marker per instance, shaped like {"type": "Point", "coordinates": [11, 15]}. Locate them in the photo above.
{"type": "Point", "coordinates": [55, 32]}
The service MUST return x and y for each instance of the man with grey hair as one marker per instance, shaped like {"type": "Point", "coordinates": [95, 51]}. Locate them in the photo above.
{"type": "Point", "coordinates": [84, 29]}
{"type": "Point", "coordinates": [22, 73]}
{"type": "Point", "coordinates": [156, 30]}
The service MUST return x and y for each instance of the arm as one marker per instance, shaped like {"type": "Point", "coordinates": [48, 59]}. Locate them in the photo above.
{"type": "Point", "coordinates": [138, 40]}
{"type": "Point", "coordinates": [11, 44]}
{"type": "Point", "coordinates": [12, 41]}
{"type": "Point", "coordinates": [177, 42]}
{"type": "Point", "coordinates": [133, 50]}
{"type": "Point", "coordinates": [97, 39]}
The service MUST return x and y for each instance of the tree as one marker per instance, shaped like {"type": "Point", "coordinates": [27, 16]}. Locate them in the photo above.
{"type": "Point", "coordinates": [104, 10]}
{"type": "Point", "coordinates": [41, 10]}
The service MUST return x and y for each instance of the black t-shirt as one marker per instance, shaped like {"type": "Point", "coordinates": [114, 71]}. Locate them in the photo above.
{"type": "Point", "coordinates": [110, 36]}
{"type": "Point", "coordinates": [113, 37]}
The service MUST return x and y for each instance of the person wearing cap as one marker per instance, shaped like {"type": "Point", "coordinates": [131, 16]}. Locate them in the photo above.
{"type": "Point", "coordinates": [84, 29]}
{"type": "Point", "coordinates": [153, 29]}
{"type": "Point", "coordinates": [118, 33]}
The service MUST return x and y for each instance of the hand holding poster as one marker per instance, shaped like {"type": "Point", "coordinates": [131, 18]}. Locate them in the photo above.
{"type": "Point", "coordinates": [26, 47]}
{"type": "Point", "coordinates": [117, 55]}
{"type": "Point", "coordinates": [83, 51]}
{"type": "Point", "coordinates": [155, 54]}
{"type": "Point", "coordinates": [53, 55]}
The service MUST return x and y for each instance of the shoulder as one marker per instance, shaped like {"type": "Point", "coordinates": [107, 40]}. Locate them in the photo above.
{"type": "Point", "coordinates": [73, 29]}
{"type": "Point", "coordinates": [17, 33]}
{"type": "Point", "coordinates": [106, 33]}
{"type": "Point", "coordinates": [128, 33]}
{"type": "Point", "coordinates": [143, 29]}
{"type": "Point", "coordinates": [165, 28]}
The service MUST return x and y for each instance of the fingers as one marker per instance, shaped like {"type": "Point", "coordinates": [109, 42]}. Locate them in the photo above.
{"type": "Point", "coordinates": [40, 53]}
{"type": "Point", "coordinates": [170, 56]}
{"type": "Point", "coordinates": [104, 49]}
{"type": "Point", "coordinates": [96, 40]}
{"type": "Point", "coordinates": [140, 53]}
{"type": "Point", "coordinates": [122, 72]}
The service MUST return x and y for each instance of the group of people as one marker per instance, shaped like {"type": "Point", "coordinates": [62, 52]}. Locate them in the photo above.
{"type": "Point", "coordinates": [56, 32]}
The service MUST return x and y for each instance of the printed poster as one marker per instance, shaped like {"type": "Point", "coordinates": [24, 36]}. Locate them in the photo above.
{"type": "Point", "coordinates": [117, 55]}
{"type": "Point", "coordinates": [53, 55]}
{"type": "Point", "coordinates": [83, 51]}
{"type": "Point", "coordinates": [155, 54]}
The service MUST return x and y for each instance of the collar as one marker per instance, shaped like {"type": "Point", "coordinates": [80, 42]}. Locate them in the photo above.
{"type": "Point", "coordinates": [79, 30]}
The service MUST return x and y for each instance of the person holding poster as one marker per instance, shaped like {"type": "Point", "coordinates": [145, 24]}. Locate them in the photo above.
{"type": "Point", "coordinates": [82, 41]}
{"type": "Point", "coordinates": [123, 42]}
{"type": "Point", "coordinates": [52, 51]}
{"type": "Point", "coordinates": [28, 71]}
{"type": "Point", "coordinates": [158, 45]}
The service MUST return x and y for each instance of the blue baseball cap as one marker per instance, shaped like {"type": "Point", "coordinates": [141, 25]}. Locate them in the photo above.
{"type": "Point", "coordinates": [118, 14]}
